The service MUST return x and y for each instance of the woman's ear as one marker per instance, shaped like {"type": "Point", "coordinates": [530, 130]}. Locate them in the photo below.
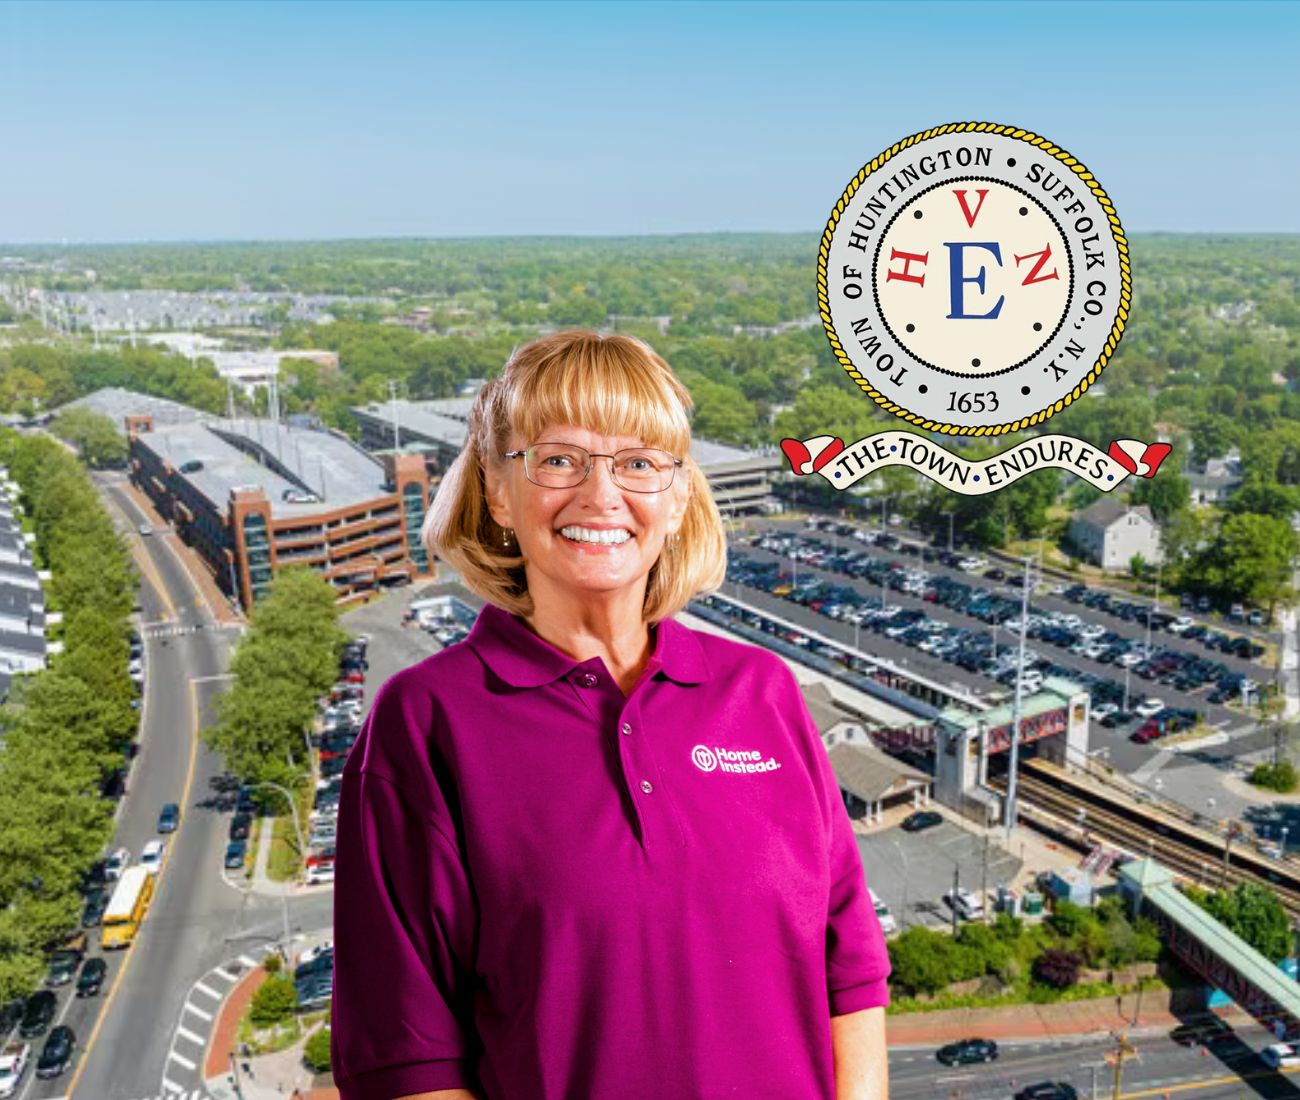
{"type": "Point", "coordinates": [496, 492]}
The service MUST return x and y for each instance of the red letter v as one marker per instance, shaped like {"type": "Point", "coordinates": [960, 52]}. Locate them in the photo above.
{"type": "Point", "coordinates": [961, 198]}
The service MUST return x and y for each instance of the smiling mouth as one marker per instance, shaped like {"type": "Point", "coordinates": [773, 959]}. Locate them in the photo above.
{"type": "Point", "coordinates": [581, 536]}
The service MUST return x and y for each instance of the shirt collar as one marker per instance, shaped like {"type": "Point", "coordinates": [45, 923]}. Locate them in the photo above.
{"type": "Point", "coordinates": [508, 646]}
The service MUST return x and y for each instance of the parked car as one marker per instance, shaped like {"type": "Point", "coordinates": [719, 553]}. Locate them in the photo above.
{"type": "Point", "coordinates": [38, 1013]}
{"type": "Point", "coordinates": [966, 1051]}
{"type": "Point", "coordinates": [1149, 707]}
{"type": "Point", "coordinates": [116, 863]}
{"type": "Point", "coordinates": [57, 1052]}
{"type": "Point", "coordinates": [240, 825]}
{"type": "Point", "coordinates": [887, 923]}
{"type": "Point", "coordinates": [1281, 1056]}
{"type": "Point", "coordinates": [96, 903]}
{"type": "Point", "coordinates": [92, 977]}
{"type": "Point", "coordinates": [14, 1059]}
{"type": "Point", "coordinates": [315, 992]}
{"type": "Point", "coordinates": [236, 854]}
{"type": "Point", "coordinates": [169, 817]}
{"type": "Point", "coordinates": [320, 874]}
{"type": "Point", "coordinates": [922, 819]}
{"type": "Point", "coordinates": [966, 904]}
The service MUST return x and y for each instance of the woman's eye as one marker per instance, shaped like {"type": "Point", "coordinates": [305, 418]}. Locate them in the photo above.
{"type": "Point", "coordinates": [558, 460]}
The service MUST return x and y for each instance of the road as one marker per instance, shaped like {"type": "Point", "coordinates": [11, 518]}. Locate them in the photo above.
{"type": "Point", "coordinates": [198, 918]}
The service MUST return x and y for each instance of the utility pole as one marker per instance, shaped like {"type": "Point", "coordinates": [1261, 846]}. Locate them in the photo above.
{"type": "Point", "coordinates": [984, 876]}
{"type": "Point", "coordinates": [1016, 706]}
{"type": "Point", "coordinates": [1124, 1050]}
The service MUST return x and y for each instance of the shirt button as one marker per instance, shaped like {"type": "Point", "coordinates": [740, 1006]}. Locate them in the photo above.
{"type": "Point", "coordinates": [647, 786]}
{"type": "Point", "coordinates": [626, 729]}
{"type": "Point", "coordinates": [587, 680]}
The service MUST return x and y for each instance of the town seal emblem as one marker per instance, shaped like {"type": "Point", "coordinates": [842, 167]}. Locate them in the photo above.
{"type": "Point", "coordinates": [973, 280]}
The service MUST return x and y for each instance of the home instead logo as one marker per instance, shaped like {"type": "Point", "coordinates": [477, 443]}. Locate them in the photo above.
{"type": "Point", "coordinates": [973, 280]}
{"type": "Point", "coordinates": [737, 761]}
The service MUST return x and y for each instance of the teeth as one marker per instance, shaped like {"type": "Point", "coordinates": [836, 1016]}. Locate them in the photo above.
{"type": "Point", "coordinates": [583, 534]}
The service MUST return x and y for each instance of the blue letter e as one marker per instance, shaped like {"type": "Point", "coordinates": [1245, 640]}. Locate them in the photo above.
{"type": "Point", "coordinates": [958, 279]}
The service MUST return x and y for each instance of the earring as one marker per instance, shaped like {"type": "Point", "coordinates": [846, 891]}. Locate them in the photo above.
{"type": "Point", "coordinates": [507, 533]}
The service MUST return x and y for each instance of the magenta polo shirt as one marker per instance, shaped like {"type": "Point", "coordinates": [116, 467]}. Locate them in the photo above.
{"type": "Point", "coordinates": [547, 890]}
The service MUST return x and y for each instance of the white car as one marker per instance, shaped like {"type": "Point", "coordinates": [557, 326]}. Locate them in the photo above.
{"type": "Point", "coordinates": [318, 875]}
{"type": "Point", "coordinates": [1128, 660]}
{"type": "Point", "coordinates": [887, 923]}
{"type": "Point", "coordinates": [13, 1064]}
{"type": "Point", "coordinates": [967, 904]}
{"type": "Point", "coordinates": [1149, 708]}
{"type": "Point", "coordinates": [151, 857]}
{"type": "Point", "coordinates": [1092, 630]}
{"type": "Point", "coordinates": [1280, 1056]}
{"type": "Point", "coordinates": [1181, 624]}
{"type": "Point", "coordinates": [116, 863]}
{"type": "Point", "coordinates": [1103, 710]}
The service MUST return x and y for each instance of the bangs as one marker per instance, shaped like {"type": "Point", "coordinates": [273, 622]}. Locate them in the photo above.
{"type": "Point", "coordinates": [603, 388]}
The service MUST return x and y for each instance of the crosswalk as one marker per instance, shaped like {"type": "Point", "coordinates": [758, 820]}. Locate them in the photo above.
{"type": "Point", "coordinates": [194, 1028]}
{"type": "Point", "coordinates": [172, 630]}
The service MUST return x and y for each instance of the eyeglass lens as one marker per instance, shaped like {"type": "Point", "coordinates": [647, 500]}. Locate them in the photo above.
{"type": "Point", "coordinates": [560, 465]}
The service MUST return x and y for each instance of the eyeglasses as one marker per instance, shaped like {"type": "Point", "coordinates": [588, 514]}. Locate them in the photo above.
{"type": "Point", "coordinates": [564, 465]}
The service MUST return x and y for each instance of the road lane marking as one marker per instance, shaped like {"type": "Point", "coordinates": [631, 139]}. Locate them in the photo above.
{"type": "Point", "coordinates": [224, 974]}
{"type": "Point", "coordinates": [191, 1066]}
{"type": "Point", "coordinates": [208, 990]}
{"type": "Point", "coordinates": [172, 1086]}
{"type": "Point", "coordinates": [250, 963]}
{"type": "Point", "coordinates": [190, 1035]}
{"type": "Point", "coordinates": [190, 1007]}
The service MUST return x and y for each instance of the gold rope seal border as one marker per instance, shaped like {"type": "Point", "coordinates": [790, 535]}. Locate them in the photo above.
{"type": "Point", "coordinates": [1117, 232]}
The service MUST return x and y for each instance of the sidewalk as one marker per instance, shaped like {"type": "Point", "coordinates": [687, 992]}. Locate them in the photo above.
{"type": "Point", "coordinates": [269, 1076]}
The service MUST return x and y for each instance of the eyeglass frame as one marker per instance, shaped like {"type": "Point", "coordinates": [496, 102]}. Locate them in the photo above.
{"type": "Point", "coordinates": [591, 465]}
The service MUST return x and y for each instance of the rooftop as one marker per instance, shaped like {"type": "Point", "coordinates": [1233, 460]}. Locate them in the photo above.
{"type": "Point", "coordinates": [117, 404]}
{"type": "Point", "coordinates": [446, 420]}
{"type": "Point", "coordinates": [273, 457]}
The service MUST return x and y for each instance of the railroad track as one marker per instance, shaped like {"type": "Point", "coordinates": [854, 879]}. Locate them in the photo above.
{"type": "Point", "coordinates": [1144, 834]}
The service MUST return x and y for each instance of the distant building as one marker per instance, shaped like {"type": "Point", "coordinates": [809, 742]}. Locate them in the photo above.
{"type": "Point", "coordinates": [1220, 478]}
{"type": "Point", "coordinates": [254, 496]}
{"type": "Point", "coordinates": [1109, 533]}
{"type": "Point", "coordinates": [23, 647]}
{"type": "Point", "coordinates": [740, 479]}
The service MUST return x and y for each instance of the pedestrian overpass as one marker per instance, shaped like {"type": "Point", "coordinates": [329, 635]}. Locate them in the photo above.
{"type": "Point", "coordinates": [1218, 955]}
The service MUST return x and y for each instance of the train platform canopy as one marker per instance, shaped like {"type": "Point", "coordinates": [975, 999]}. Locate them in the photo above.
{"type": "Point", "coordinates": [1054, 694]}
{"type": "Point", "coordinates": [1154, 884]}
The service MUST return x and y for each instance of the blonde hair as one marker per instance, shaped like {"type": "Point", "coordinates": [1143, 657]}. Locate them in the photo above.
{"type": "Point", "coordinates": [615, 385]}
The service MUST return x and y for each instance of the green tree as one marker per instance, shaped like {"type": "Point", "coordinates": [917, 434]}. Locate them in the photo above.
{"type": "Point", "coordinates": [273, 1002]}
{"type": "Point", "coordinates": [1255, 914]}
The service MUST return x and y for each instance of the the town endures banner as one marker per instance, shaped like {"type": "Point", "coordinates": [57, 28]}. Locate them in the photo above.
{"type": "Point", "coordinates": [973, 280]}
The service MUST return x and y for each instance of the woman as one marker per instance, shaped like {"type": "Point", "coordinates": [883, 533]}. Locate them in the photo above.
{"type": "Point", "coordinates": [590, 853]}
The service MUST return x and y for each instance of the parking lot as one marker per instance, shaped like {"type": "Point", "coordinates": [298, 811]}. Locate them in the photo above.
{"type": "Point", "coordinates": [835, 582]}
{"type": "Point", "coordinates": [911, 872]}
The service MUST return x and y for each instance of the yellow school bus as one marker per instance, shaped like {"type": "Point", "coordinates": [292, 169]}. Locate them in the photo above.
{"type": "Point", "coordinates": [126, 909]}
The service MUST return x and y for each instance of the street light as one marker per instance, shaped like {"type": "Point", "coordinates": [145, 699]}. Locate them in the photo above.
{"type": "Point", "coordinates": [302, 845]}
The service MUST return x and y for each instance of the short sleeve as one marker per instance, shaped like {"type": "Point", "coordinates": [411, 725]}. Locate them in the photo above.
{"type": "Point", "coordinates": [405, 922]}
{"type": "Point", "coordinates": [857, 959]}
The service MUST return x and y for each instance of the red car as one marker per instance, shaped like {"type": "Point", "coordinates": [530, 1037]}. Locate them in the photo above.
{"type": "Point", "coordinates": [1147, 732]}
{"type": "Point", "coordinates": [354, 676]}
{"type": "Point", "coordinates": [323, 858]}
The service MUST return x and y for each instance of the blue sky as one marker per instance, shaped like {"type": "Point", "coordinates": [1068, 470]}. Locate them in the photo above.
{"type": "Point", "coordinates": [239, 121]}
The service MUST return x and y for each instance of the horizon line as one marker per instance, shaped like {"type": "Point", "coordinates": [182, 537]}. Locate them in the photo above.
{"type": "Point", "coordinates": [211, 241]}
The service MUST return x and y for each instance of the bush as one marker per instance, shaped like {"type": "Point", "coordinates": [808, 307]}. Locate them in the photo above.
{"type": "Point", "coordinates": [1058, 968]}
{"type": "Point", "coordinates": [316, 1051]}
{"type": "Point", "coordinates": [272, 963]}
{"type": "Point", "coordinates": [1280, 777]}
{"type": "Point", "coordinates": [274, 1001]}
{"type": "Point", "coordinates": [1069, 919]}
{"type": "Point", "coordinates": [922, 961]}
